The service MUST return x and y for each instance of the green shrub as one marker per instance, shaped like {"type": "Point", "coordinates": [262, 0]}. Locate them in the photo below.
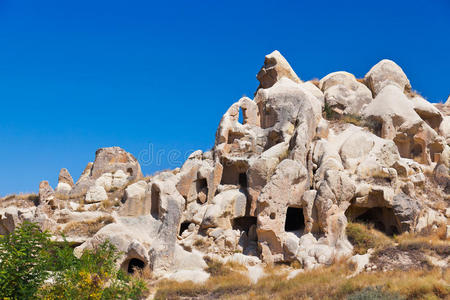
{"type": "Point", "coordinates": [373, 293]}
{"type": "Point", "coordinates": [93, 276]}
{"type": "Point", "coordinates": [327, 111]}
{"type": "Point", "coordinates": [34, 267]}
{"type": "Point", "coordinates": [24, 261]}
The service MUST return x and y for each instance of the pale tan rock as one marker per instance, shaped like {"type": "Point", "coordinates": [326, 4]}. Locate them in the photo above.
{"type": "Point", "coordinates": [136, 204]}
{"type": "Point", "coordinates": [46, 193]}
{"type": "Point", "coordinates": [397, 119]}
{"type": "Point", "coordinates": [285, 189]}
{"type": "Point", "coordinates": [230, 203]}
{"type": "Point", "coordinates": [64, 177]}
{"type": "Point", "coordinates": [112, 159]}
{"type": "Point", "coordinates": [96, 194]}
{"type": "Point", "coordinates": [275, 67]}
{"type": "Point", "coordinates": [428, 112]}
{"type": "Point", "coordinates": [384, 73]}
{"type": "Point", "coordinates": [342, 91]}
{"type": "Point", "coordinates": [444, 129]}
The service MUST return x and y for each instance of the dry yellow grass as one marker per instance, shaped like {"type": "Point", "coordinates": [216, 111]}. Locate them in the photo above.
{"type": "Point", "coordinates": [88, 227]}
{"type": "Point", "coordinates": [228, 284]}
{"type": "Point", "coordinates": [432, 243]}
{"type": "Point", "coordinates": [323, 283]}
{"type": "Point", "coordinates": [315, 81]}
{"type": "Point", "coordinates": [364, 237]}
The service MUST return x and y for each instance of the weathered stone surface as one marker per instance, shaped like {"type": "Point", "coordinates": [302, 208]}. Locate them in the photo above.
{"type": "Point", "coordinates": [428, 112]}
{"type": "Point", "coordinates": [406, 211]}
{"type": "Point", "coordinates": [342, 91]}
{"type": "Point", "coordinates": [385, 73]}
{"type": "Point", "coordinates": [95, 194]}
{"type": "Point", "coordinates": [393, 113]}
{"type": "Point", "coordinates": [112, 159]}
{"type": "Point", "coordinates": [46, 193]}
{"type": "Point", "coordinates": [224, 207]}
{"type": "Point", "coordinates": [64, 177]}
{"type": "Point", "coordinates": [136, 204]}
{"type": "Point", "coordinates": [275, 67]}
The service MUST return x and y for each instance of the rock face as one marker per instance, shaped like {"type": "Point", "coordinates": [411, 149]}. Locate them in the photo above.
{"type": "Point", "coordinates": [385, 73]}
{"type": "Point", "coordinates": [46, 193]}
{"type": "Point", "coordinates": [275, 67]}
{"type": "Point", "coordinates": [278, 186]}
{"type": "Point", "coordinates": [343, 93]}
{"type": "Point", "coordinates": [110, 160]}
{"type": "Point", "coordinates": [65, 182]}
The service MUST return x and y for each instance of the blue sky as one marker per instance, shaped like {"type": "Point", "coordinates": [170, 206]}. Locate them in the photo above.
{"type": "Point", "coordinates": [157, 76]}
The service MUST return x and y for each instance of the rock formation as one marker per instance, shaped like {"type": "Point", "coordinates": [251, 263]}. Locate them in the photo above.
{"type": "Point", "coordinates": [280, 186]}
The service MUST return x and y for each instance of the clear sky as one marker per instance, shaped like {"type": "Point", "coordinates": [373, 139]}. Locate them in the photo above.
{"type": "Point", "coordinates": [156, 77]}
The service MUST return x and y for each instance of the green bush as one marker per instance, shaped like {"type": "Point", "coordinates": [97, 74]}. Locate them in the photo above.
{"type": "Point", "coordinates": [24, 262]}
{"type": "Point", "coordinates": [34, 267]}
{"type": "Point", "coordinates": [373, 293]}
{"type": "Point", "coordinates": [93, 276]}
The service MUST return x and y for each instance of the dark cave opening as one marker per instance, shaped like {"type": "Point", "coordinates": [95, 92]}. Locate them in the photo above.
{"type": "Point", "coordinates": [155, 199]}
{"type": "Point", "coordinates": [135, 264]}
{"type": "Point", "coordinates": [243, 223]}
{"type": "Point", "coordinates": [294, 219]}
{"type": "Point", "coordinates": [184, 226]}
{"type": "Point", "coordinates": [243, 180]}
{"type": "Point", "coordinates": [381, 218]}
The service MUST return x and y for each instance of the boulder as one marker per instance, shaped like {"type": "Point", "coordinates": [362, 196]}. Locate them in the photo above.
{"type": "Point", "coordinates": [136, 204]}
{"type": "Point", "coordinates": [342, 91]}
{"type": "Point", "coordinates": [112, 159]}
{"type": "Point", "coordinates": [64, 177]}
{"type": "Point", "coordinates": [275, 67]}
{"type": "Point", "coordinates": [444, 129]}
{"type": "Point", "coordinates": [385, 73]}
{"type": "Point", "coordinates": [406, 211]}
{"type": "Point", "coordinates": [46, 193]}
{"type": "Point", "coordinates": [394, 117]}
{"type": "Point", "coordinates": [427, 111]}
{"type": "Point", "coordinates": [96, 194]}
{"type": "Point", "coordinates": [224, 207]}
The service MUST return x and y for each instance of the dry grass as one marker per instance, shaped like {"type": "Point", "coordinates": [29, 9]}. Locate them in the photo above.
{"type": "Point", "coordinates": [61, 196]}
{"type": "Point", "coordinates": [432, 243]}
{"type": "Point", "coordinates": [323, 283]}
{"type": "Point", "coordinates": [364, 237]}
{"type": "Point", "coordinates": [88, 227]}
{"type": "Point", "coordinates": [410, 93]}
{"type": "Point", "coordinates": [106, 205]}
{"type": "Point", "coordinates": [315, 81]}
{"type": "Point", "coordinates": [353, 119]}
{"type": "Point", "coordinates": [81, 208]}
{"type": "Point", "coordinates": [222, 285]}
{"type": "Point", "coordinates": [21, 200]}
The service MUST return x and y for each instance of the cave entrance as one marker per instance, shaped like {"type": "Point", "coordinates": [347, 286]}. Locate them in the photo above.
{"type": "Point", "coordinates": [381, 218]}
{"type": "Point", "coordinates": [184, 226]}
{"type": "Point", "coordinates": [243, 223]}
{"type": "Point", "coordinates": [135, 265]}
{"type": "Point", "coordinates": [295, 220]}
{"type": "Point", "coordinates": [372, 216]}
{"type": "Point", "coordinates": [155, 200]}
{"type": "Point", "coordinates": [130, 171]}
{"type": "Point", "coordinates": [243, 180]}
